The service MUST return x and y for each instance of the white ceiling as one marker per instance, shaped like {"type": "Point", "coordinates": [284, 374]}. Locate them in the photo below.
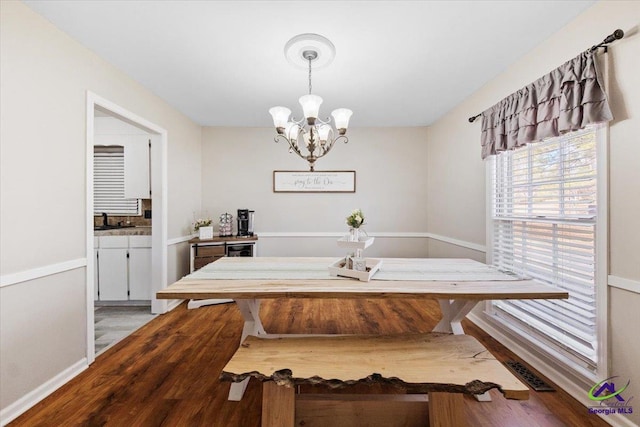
{"type": "Point", "coordinates": [398, 63]}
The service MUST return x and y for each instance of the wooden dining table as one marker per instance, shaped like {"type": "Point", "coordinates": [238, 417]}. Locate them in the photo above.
{"type": "Point", "coordinates": [457, 284]}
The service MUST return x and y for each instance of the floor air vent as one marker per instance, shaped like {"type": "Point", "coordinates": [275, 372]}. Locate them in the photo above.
{"type": "Point", "coordinates": [531, 379]}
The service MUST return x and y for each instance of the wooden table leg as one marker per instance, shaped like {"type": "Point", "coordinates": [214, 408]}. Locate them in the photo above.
{"type": "Point", "coordinates": [278, 405]}
{"type": "Point", "coordinates": [250, 309]}
{"type": "Point", "coordinates": [446, 410]}
{"type": "Point", "coordinates": [453, 311]}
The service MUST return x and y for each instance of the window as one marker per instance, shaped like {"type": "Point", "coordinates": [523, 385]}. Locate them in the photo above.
{"type": "Point", "coordinates": [108, 183]}
{"type": "Point", "coordinates": [543, 225]}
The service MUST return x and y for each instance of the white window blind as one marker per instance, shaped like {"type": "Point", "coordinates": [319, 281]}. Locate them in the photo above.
{"type": "Point", "coordinates": [544, 227]}
{"type": "Point", "coordinates": [108, 183]}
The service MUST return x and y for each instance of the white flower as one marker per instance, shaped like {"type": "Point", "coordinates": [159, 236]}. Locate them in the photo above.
{"type": "Point", "coordinates": [356, 219]}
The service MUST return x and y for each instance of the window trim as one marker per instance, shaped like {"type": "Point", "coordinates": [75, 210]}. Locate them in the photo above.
{"type": "Point", "coordinates": [602, 267]}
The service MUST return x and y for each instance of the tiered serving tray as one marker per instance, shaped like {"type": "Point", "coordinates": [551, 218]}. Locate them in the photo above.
{"type": "Point", "coordinates": [373, 264]}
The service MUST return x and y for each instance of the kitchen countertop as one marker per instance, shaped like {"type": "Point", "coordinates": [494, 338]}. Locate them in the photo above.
{"type": "Point", "coordinates": [129, 231]}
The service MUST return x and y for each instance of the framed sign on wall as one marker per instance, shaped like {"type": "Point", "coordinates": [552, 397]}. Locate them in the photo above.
{"type": "Point", "coordinates": [314, 182]}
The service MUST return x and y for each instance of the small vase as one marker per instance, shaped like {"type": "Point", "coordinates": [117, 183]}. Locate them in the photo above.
{"type": "Point", "coordinates": [205, 233]}
{"type": "Point", "coordinates": [354, 234]}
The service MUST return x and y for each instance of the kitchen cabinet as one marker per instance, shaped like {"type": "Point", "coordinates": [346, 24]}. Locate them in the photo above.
{"type": "Point", "coordinates": [139, 267]}
{"type": "Point", "coordinates": [136, 167]}
{"type": "Point", "coordinates": [112, 268]}
{"type": "Point", "coordinates": [124, 268]}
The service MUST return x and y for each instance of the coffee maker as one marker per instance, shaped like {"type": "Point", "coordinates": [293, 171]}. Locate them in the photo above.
{"type": "Point", "coordinates": [245, 222]}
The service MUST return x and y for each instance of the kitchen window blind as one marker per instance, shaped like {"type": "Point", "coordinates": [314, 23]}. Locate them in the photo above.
{"type": "Point", "coordinates": [544, 222]}
{"type": "Point", "coordinates": [108, 183]}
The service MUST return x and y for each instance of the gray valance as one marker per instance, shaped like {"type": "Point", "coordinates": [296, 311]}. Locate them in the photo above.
{"type": "Point", "coordinates": [568, 98]}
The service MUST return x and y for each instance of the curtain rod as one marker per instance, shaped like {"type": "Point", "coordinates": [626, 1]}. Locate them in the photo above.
{"type": "Point", "coordinates": [616, 35]}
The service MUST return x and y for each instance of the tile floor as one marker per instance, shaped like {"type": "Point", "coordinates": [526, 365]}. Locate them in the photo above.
{"type": "Point", "coordinates": [112, 324]}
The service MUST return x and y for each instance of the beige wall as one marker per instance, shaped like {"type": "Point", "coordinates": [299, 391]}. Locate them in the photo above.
{"type": "Point", "coordinates": [44, 79]}
{"type": "Point", "coordinates": [457, 142]}
{"type": "Point", "coordinates": [391, 247]}
{"type": "Point", "coordinates": [391, 173]}
{"type": "Point", "coordinates": [439, 249]}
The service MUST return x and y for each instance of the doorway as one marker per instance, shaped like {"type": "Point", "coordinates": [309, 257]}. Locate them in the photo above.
{"type": "Point", "coordinates": [157, 161]}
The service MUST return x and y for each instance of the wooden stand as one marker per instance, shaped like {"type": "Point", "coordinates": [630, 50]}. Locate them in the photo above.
{"type": "Point", "coordinates": [206, 251]}
{"type": "Point", "coordinates": [281, 406]}
{"type": "Point", "coordinates": [346, 410]}
{"type": "Point", "coordinates": [278, 405]}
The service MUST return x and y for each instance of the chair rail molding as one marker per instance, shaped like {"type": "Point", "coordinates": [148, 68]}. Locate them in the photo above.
{"type": "Point", "coordinates": [622, 283]}
{"type": "Point", "coordinates": [381, 234]}
{"type": "Point", "coordinates": [278, 234]}
{"type": "Point", "coordinates": [458, 242]}
{"type": "Point", "coordinates": [39, 272]}
{"type": "Point", "coordinates": [181, 239]}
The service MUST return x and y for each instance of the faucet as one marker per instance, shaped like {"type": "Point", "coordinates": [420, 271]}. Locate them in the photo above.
{"type": "Point", "coordinates": [105, 221]}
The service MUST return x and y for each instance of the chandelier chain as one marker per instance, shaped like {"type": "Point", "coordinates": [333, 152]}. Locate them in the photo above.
{"type": "Point", "coordinates": [309, 76]}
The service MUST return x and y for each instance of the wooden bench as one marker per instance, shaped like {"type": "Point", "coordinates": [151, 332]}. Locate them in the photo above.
{"type": "Point", "coordinates": [442, 365]}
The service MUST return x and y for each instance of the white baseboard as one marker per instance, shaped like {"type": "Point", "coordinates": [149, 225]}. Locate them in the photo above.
{"type": "Point", "coordinates": [27, 401]}
{"type": "Point", "coordinates": [576, 391]}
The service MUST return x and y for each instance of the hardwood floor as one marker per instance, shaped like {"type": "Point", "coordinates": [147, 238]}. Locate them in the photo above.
{"type": "Point", "coordinates": [166, 373]}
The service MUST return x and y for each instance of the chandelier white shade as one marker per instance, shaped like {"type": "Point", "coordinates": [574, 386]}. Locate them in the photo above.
{"type": "Point", "coordinates": [280, 116]}
{"type": "Point", "coordinates": [310, 106]}
{"type": "Point", "coordinates": [341, 118]}
{"type": "Point", "coordinates": [312, 133]}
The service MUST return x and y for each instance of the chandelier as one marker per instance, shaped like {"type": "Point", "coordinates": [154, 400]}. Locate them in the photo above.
{"type": "Point", "coordinates": [311, 133]}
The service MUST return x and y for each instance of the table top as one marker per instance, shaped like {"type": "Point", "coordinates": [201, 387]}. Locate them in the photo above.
{"type": "Point", "coordinates": [277, 277]}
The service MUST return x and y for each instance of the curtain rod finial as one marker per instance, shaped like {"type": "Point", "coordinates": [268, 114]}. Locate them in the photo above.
{"type": "Point", "coordinates": [616, 35]}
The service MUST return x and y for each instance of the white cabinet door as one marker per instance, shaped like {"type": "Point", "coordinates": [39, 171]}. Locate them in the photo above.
{"type": "Point", "coordinates": [140, 273]}
{"type": "Point", "coordinates": [113, 274]}
{"type": "Point", "coordinates": [136, 167]}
